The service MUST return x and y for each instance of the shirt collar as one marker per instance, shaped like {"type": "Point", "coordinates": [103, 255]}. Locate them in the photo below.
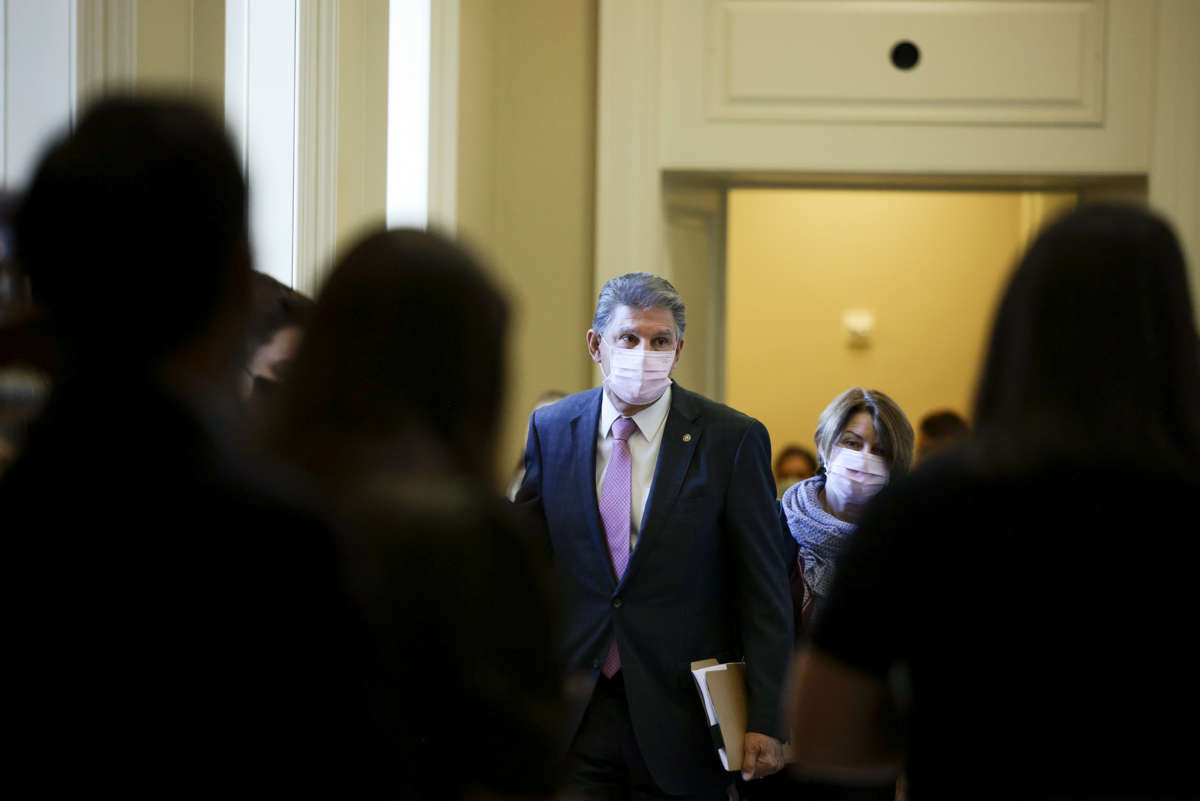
{"type": "Point", "coordinates": [648, 420]}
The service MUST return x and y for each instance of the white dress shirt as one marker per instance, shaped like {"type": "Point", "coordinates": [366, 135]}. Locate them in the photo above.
{"type": "Point", "coordinates": [644, 444]}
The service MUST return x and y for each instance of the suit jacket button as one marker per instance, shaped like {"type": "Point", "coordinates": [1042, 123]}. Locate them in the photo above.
{"type": "Point", "coordinates": [616, 603]}
{"type": "Point", "coordinates": [595, 664]}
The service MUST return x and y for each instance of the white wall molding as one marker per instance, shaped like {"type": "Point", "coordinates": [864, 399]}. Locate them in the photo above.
{"type": "Point", "coordinates": [829, 61]}
{"type": "Point", "coordinates": [106, 48]}
{"type": "Point", "coordinates": [237, 73]}
{"type": "Point", "coordinates": [38, 79]}
{"type": "Point", "coordinates": [281, 74]}
{"type": "Point", "coordinates": [629, 214]}
{"type": "Point", "coordinates": [409, 123]}
{"type": "Point", "coordinates": [4, 94]}
{"type": "Point", "coordinates": [316, 141]}
{"type": "Point", "coordinates": [443, 115]}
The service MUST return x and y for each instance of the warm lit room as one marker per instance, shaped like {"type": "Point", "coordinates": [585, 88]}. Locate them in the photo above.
{"type": "Point", "coordinates": [867, 329]}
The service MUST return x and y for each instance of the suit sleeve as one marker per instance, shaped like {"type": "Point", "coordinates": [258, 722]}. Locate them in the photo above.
{"type": "Point", "coordinates": [529, 496]}
{"type": "Point", "coordinates": [762, 593]}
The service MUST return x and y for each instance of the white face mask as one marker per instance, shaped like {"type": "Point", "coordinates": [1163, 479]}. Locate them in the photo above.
{"type": "Point", "coordinates": [854, 477]}
{"type": "Point", "coordinates": [638, 377]}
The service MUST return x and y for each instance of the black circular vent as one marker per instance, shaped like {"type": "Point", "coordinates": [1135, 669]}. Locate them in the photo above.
{"type": "Point", "coordinates": [905, 55]}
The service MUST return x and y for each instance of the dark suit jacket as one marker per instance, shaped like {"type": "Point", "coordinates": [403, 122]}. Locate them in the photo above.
{"type": "Point", "coordinates": [708, 577]}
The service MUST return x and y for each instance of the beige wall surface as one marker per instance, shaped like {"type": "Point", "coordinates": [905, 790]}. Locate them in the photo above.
{"type": "Point", "coordinates": [526, 181]}
{"type": "Point", "coordinates": [929, 266]}
{"type": "Point", "coordinates": [362, 119]}
{"type": "Point", "coordinates": [181, 47]}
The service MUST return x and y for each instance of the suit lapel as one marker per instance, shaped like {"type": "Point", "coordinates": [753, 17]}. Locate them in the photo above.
{"type": "Point", "coordinates": [583, 450]}
{"type": "Point", "coordinates": [681, 434]}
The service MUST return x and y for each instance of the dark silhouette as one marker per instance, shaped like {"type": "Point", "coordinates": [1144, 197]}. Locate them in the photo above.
{"type": "Point", "coordinates": [939, 431]}
{"type": "Point", "coordinates": [458, 604]}
{"type": "Point", "coordinates": [174, 620]}
{"type": "Point", "coordinates": [402, 366]}
{"type": "Point", "coordinates": [1094, 350]}
{"type": "Point", "coordinates": [392, 408]}
{"type": "Point", "coordinates": [792, 464]}
{"type": "Point", "coordinates": [1034, 589]}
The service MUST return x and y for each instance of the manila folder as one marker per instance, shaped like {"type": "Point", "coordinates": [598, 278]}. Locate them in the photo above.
{"type": "Point", "coordinates": [723, 692]}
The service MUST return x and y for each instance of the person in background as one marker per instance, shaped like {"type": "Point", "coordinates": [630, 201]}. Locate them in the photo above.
{"type": "Point", "coordinates": [1012, 620]}
{"type": "Point", "coordinates": [174, 620]}
{"type": "Point", "coordinates": [939, 431]}
{"type": "Point", "coordinates": [278, 315]}
{"type": "Point", "coordinates": [545, 399]}
{"type": "Point", "coordinates": [392, 409]}
{"type": "Point", "coordinates": [793, 464]}
{"type": "Point", "coordinates": [661, 514]}
{"type": "Point", "coordinates": [863, 440]}
{"type": "Point", "coordinates": [27, 354]}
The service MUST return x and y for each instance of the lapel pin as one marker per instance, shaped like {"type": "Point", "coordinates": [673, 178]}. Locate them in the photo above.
{"type": "Point", "coordinates": [687, 437]}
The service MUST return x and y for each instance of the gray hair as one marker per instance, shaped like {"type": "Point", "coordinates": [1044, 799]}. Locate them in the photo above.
{"type": "Point", "coordinates": [892, 428]}
{"type": "Point", "coordinates": [639, 291]}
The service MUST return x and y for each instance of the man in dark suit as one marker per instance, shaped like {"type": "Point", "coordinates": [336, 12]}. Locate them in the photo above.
{"type": "Point", "coordinates": [668, 549]}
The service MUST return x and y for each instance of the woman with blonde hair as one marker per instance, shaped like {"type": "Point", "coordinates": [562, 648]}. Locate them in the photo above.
{"type": "Point", "coordinates": [863, 440]}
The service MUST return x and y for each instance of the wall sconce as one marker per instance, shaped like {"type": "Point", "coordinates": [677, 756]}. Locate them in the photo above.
{"type": "Point", "coordinates": [859, 324]}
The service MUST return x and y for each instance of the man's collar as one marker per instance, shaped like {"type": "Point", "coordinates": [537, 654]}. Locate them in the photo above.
{"type": "Point", "coordinates": [648, 420]}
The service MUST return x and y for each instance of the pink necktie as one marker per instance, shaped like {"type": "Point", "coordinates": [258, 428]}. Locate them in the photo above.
{"type": "Point", "coordinates": [615, 505]}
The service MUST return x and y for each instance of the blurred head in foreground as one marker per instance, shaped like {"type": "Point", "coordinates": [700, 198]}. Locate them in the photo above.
{"type": "Point", "coordinates": [133, 234]}
{"type": "Point", "coordinates": [1094, 349]}
{"type": "Point", "coordinates": [402, 365]}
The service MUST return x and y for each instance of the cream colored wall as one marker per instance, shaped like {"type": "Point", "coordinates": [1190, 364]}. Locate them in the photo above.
{"type": "Point", "coordinates": [526, 181]}
{"type": "Point", "coordinates": [362, 118]}
{"type": "Point", "coordinates": [929, 265]}
{"type": "Point", "coordinates": [181, 47]}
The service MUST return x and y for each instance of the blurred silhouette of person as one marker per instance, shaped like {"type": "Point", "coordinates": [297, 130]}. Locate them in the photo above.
{"type": "Point", "coordinates": [939, 431]}
{"type": "Point", "coordinates": [545, 399]}
{"type": "Point", "coordinates": [1012, 620]}
{"type": "Point", "coordinates": [459, 605]}
{"type": "Point", "coordinates": [392, 407]}
{"type": "Point", "coordinates": [174, 619]}
{"type": "Point", "coordinates": [793, 464]}
{"type": "Point", "coordinates": [401, 368]}
{"type": "Point", "coordinates": [278, 315]}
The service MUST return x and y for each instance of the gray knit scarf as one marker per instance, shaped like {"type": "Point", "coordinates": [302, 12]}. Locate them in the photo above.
{"type": "Point", "coordinates": [821, 536]}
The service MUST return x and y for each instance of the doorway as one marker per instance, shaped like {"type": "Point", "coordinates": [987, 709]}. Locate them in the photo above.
{"type": "Point", "coordinates": [798, 290]}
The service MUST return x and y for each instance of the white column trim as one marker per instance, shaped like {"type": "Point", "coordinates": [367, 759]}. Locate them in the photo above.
{"type": "Point", "coordinates": [443, 115]}
{"type": "Point", "coordinates": [4, 73]}
{"type": "Point", "coordinates": [316, 141]}
{"type": "Point", "coordinates": [39, 82]}
{"type": "Point", "coordinates": [262, 38]}
{"type": "Point", "coordinates": [629, 213]}
{"type": "Point", "coordinates": [237, 76]}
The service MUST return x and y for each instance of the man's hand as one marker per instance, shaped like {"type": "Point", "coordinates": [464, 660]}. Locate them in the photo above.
{"type": "Point", "coordinates": [761, 756]}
